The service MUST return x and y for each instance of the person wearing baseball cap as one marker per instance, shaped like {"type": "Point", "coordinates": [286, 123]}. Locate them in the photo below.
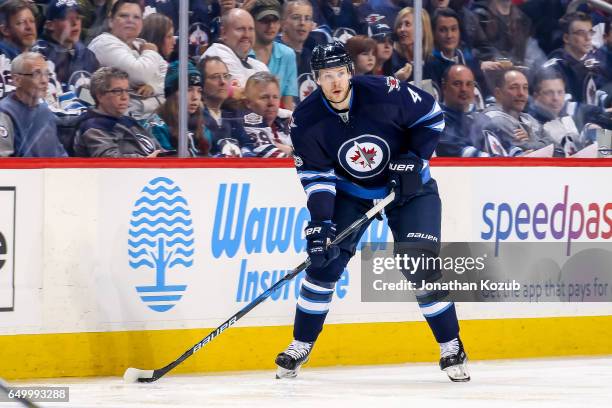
{"type": "Point", "coordinates": [279, 58]}
{"type": "Point", "coordinates": [60, 43]}
{"type": "Point", "coordinates": [382, 34]}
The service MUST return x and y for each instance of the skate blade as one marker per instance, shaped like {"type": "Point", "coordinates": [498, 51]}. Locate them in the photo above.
{"type": "Point", "coordinates": [458, 373]}
{"type": "Point", "coordinates": [284, 373]}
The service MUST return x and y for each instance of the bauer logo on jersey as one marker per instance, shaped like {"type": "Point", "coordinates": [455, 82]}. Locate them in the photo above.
{"type": "Point", "coordinates": [393, 83]}
{"type": "Point", "coordinates": [161, 242]}
{"type": "Point", "coordinates": [364, 156]}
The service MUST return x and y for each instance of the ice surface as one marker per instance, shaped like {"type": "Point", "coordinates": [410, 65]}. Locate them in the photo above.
{"type": "Point", "coordinates": [541, 383]}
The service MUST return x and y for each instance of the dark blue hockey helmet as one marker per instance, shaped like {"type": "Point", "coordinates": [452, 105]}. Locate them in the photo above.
{"type": "Point", "coordinates": [330, 55]}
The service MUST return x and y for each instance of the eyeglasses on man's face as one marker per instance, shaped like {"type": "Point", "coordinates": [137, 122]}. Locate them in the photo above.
{"type": "Point", "coordinates": [298, 18]}
{"type": "Point", "coordinates": [36, 74]}
{"type": "Point", "coordinates": [584, 33]}
{"type": "Point", "coordinates": [219, 77]}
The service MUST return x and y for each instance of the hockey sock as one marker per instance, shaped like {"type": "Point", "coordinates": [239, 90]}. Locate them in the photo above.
{"type": "Point", "coordinates": [311, 309]}
{"type": "Point", "coordinates": [442, 319]}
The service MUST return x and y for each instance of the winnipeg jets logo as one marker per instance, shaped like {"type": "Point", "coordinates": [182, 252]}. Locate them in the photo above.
{"type": "Point", "coordinates": [343, 34]}
{"type": "Point", "coordinates": [306, 85]}
{"type": "Point", "coordinates": [364, 156]}
{"type": "Point", "coordinates": [393, 83]}
{"type": "Point", "coordinates": [374, 18]}
{"type": "Point", "coordinates": [495, 147]}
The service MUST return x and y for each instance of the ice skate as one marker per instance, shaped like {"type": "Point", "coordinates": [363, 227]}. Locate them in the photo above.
{"type": "Point", "coordinates": [289, 361]}
{"type": "Point", "coordinates": [453, 360]}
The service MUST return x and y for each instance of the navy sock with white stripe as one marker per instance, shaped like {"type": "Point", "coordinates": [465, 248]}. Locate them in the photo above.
{"type": "Point", "coordinates": [311, 309]}
{"type": "Point", "coordinates": [442, 319]}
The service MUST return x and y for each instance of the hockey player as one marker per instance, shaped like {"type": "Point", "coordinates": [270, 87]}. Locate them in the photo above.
{"type": "Point", "coordinates": [353, 137]}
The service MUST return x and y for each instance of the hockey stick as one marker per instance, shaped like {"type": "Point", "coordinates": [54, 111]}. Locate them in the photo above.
{"type": "Point", "coordinates": [135, 374]}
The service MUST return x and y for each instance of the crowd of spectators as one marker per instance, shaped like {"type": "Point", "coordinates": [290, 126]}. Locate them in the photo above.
{"type": "Point", "coordinates": [99, 78]}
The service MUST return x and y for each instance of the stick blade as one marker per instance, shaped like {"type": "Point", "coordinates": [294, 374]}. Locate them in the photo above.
{"type": "Point", "coordinates": [133, 375]}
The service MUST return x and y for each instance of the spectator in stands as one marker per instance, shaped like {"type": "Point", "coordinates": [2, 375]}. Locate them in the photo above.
{"type": "Point", "coordinates": [503, 129]}
{"type": "Point", "coordinates": [471, 31]}
{"type": "Point", "coordinates": [106, 130]}
{"type": "Point", "coordinates": [361, 49]}
{"type": "Point", "coordinates": [604, 57]}
{"type": "Point", "coordinates": [382, 34]}
{"type": "Point", "coordinates": [265, 123]}
{"type": "Point", "coordinates": [403, 47]}
{"type": "Point", "coordinates": [95, 17]}
{"type": "Point", "coordinates": [544, 16]}
{"type": "Point", "coordinates": [575, 60]}
{"type": "Point", "coordinates": [27, 126]}
{"type": "Point", "coordinates": [507, 31]}
{"type": "Point", "coordinates": [458, 86]}
{"type": "Point", "coordinates": [18, 30]}
{"type": "Point", "coordinates": [388, 9]}
{"type": "Point", "coordinates": [121, 48]}
{"type": "Point", "coordinates": [571, 124]}
{"type": "Point", "coordinates": [201, 12]}
{"type": "Point", "coordinates": [339, 15]}
{"type": "Point", "coordinates": [296, 25]}
{"type": "Point", "coordinates": [223, 127]}
{"type": "Point", "coordinates": [18, 27]}
{"type": "Point", "coordinates": [158, 29]}
{"type": "Point", "coordinates": [279, 58]}
{"type": "Point", "coordinates": [164, 125]}
{"type": "Point", "coordinates": [448, 51]}
{"type": "Point", "coordinates": [236, 40]}
{"type": "Point", "coordinates": [60, 43]}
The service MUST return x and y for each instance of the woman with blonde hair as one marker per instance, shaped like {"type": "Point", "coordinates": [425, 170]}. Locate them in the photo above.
{"type": "Point", "coordinates": [403, 46]}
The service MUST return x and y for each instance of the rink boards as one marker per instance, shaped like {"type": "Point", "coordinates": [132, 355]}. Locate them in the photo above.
{"type": "Point", "coordinates": [109, 264]}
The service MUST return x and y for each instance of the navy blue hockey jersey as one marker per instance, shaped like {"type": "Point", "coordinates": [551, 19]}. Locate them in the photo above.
{"type": "Point", "coordinates": [387, 118]}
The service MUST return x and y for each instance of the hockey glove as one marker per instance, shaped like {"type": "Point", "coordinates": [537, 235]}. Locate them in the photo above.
{"type": "Point", "coordinates": [405, 177]}
{"type": "Point", "coordinates": [319, 236]}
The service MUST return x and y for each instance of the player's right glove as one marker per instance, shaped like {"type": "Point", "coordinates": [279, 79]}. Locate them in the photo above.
{"type": "Point", "coordinates": [405, 177]}
{"type": "Point", "coordinates": [319, 236]}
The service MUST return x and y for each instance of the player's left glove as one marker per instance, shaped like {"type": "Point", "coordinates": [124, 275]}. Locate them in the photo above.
{"type": "Point", "coordinates": [405, 177]}
{"type": "Point", "coordinates": [319, 236]}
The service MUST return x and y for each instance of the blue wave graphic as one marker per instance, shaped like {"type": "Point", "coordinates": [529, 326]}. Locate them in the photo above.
{"type": "Point", "coordinates": [161, 298]}
{"type": "Point", "coordinates": [158, 180]}
{"type": "Point", "coordinates": [142, 262]}
{"type": "Point", "coordinates": [160, 200]}
{"type": "Point", "coordinates": [157, 288]}
{"type": "Point", "coordinates": [181, 251]}
{"type": "Point", "coordinates": [160, 308]}
{"type": "Point", "coordinates": [136, 254]}
{"type": "Point", "coordinates": [161, 189]}
{"type": "Point", "coordinates": [180, 261]}
{"type": "Point", "coordinates": [160, 238]}
{"type": "Point", "coordinates": [158, 221]}
{"type": "Point", "coordinates": [155, 211]}
{"type": "Point", "coordinates": [153, 244]}
{"type": "Point", "coordinates": [161, 230]}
